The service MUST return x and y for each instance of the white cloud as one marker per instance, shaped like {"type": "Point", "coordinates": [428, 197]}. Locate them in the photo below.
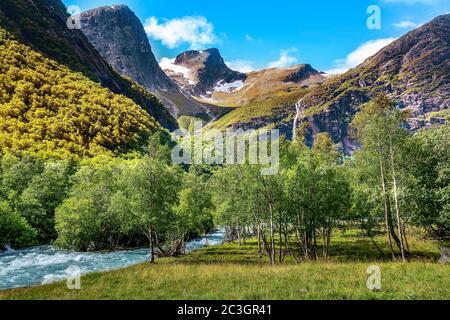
{"type": "Point", "coordinates": [248, 37]}
{"type": "Point", "coordinates": [407, 24]}
{"type": "Point", "coordinates": [286, 59]}
{"type": "Point", "coordinates": [194, 30]}
{"type": "Point", "coordinates": [358, 56]}
{"type": "Point", "coordinates": [243, 66]}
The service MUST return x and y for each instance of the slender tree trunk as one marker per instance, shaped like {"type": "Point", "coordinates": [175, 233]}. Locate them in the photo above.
{"type": "Point", "coordinates": [397, 211]}
{"type": "Point", "coordinates": [259, 241]}
{"type": "Point", "coordinates": [374, 243]}
{"type": "Point", "coordinates": [328, 245]}
{"type": "Point", "coordinates": [152, 245]}
{"type": "Point", "coordinates": [272, 237]}
{"type": "Point", "coordinates": [315, 243]}
{"type": "Point", "coordinates": [387, 208]}
{"type": "Point", "coordinates": [280, 247]}
{"type": "Point", "coordinates": [406, 238]}
{"type": "Point", "coordinates": [305, 237]}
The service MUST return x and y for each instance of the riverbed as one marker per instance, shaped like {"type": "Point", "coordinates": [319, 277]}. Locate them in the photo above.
{"type": "Point", "coordinates": [47, 264]}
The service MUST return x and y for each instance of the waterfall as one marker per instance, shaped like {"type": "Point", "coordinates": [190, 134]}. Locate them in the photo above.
{"type": "Point", "coordinates": [298, 107]}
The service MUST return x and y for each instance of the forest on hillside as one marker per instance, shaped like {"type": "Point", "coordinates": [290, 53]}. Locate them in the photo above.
{"type": "Point", "coordinates": [48, 110]}
{"type": "Point", "coordinates": [396, 181]}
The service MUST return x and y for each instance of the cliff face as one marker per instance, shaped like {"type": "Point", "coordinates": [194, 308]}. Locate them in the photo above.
{"type": "Point", "coordinates": [413, 70]}
{"type": "Point", "coordinates": [119, 37]}
{"type": "Point", "coordinates": [204, 70]}
{"type": "Point", "coordinates": [42, 25]}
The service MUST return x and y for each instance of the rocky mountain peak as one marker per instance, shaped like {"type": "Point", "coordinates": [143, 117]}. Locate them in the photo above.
{"type": "Point", "coordinates": [118, 35]}
{"type": "Point", "coordinates": [203, 70]}
{"type": "Point", "coordinates": [303, 72]}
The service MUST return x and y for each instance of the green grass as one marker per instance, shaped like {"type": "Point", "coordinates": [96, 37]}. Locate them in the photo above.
{"type": "Point", "coordinates": [279, 105]}
{"type": "Point", "coordinates": [238, 272]}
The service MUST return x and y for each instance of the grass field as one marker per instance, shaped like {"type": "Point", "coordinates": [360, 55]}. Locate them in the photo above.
{"type": "Point", "coordinates": [238, 272]}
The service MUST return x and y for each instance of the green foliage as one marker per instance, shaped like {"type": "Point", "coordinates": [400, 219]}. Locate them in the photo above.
{"type": "Point", "coordinates": [116, 202]}
{"type": "Point", "coordinates": [428, 160]}
{"type": "Point", "coordinates": [44, 194]}
{"type": "Point", "coordinates": [194, 209]}
{"type": "Point", "coordinates": [47, 109]}
{"type": "Point", "coordinates": [272, 109]}
{"type": "Point", "coordinates": [89, 218]}
{"type": "Point", "coordinates": [14, 229]}
{"type": "Point", "coordinates": [187, 122]}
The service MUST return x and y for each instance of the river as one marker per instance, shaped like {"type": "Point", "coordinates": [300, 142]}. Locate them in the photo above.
{"type": "Point", "coordinates": [47, 264]}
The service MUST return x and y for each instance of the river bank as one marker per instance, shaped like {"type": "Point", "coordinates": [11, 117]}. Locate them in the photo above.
{"type": "Point", "coordinates": [47, 264]}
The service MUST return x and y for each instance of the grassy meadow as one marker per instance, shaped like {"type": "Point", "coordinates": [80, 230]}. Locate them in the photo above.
{"type": "Point", "coordinates": [234, 271]}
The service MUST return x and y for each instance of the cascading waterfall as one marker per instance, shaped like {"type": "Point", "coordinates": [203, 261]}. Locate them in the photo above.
{"type": "Point", "coordinates": [298, 107]}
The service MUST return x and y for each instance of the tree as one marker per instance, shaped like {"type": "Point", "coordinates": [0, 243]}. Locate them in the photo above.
{"type": "Point", "coordinates": [193, 213]}
{"type": "Point", "coordinates": [317, 195]}
{"type": "Point", "coordinates": [428, 197]}
{"type": "Point", "coordinates": [152, 190]}
{"type": "Point", "coordinates": [14, 229]}
{"type": "Point", "coordinates": [379, 128]}
{"type": "Point", "coordinates": [43, 195]}
{"type": "Point", "coordinates": [87, 219]}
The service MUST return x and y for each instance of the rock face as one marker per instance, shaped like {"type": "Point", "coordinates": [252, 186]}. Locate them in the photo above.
{"type": "Point", "coordinates": [413, 70]}
{"type": "Point", "coordinates": [305, 74]}
{"type": "Point", "coordinates": [119, 37]}
{"type": "Point", "coordinates": [199, 72]}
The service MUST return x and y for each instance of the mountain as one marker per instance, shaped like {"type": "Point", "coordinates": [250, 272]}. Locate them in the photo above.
{"type": "Point", "coordinates": [42, 24]}
{"type": "Point", "coordinates": [198, 73]}
{"type": "Point", "coordinates": [119, 37]}
{"type": "Point", "coordinates": [264, 84]}
{"type": "Point", "coordinates": [266, 97]}
{"type": "Point", "coordinates": [253, 100]}
{"type": "Point", "coordinates": [414, 70]}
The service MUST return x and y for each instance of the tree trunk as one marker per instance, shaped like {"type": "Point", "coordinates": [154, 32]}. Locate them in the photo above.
{"type": "Point", "coordinates": [152, 245]}
{"type": "Point", "coordinates": [272, 237]}
{"type": "Point", "coordinates": [280, 248]}
{"type": "Point", "coordinates": [397, 211]}
{"type": "Point", "coordinates": [259, 240]}
{"type": "Point", "coordinates": [387, 207]}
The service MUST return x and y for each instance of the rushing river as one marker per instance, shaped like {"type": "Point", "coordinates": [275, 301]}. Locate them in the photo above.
{"type": "Point", "coordinates": [46, 264]}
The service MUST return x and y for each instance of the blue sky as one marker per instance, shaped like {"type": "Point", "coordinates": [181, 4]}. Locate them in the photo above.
{"type": "Point", "coordinates": [330, 35]}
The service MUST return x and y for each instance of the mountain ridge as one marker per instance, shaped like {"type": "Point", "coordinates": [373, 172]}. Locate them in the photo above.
{"type": "Point", "coordinates": [414, 70]}
{"type": "Point", "coordinates": [204, 70]}
{"type": "Point", "coordinates": [117, 34]}
{"type": "Point", "coordinates": [42, 24]}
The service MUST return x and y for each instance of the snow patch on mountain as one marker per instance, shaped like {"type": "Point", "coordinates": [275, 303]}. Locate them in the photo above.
{"type": "Point", "coordinates": [169, 65]}
{"type": "Point", "coordinates": [222, 86]}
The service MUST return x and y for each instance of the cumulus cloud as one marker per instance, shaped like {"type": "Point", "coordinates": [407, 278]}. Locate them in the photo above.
{"type": "Point", "coordinates": [243, 66]}
{"type": "Point", "coordinates": [286, 59]}
{"type": "Point", "coordinates": [407, 24]}
{"type": "Point", "coordinates": [358, 56]}
{"type": "Point", "coordinates": [197, 31]}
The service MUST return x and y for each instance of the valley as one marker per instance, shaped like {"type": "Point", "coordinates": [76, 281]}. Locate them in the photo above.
{"type": "Point", "coordinates": [89, 177]}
